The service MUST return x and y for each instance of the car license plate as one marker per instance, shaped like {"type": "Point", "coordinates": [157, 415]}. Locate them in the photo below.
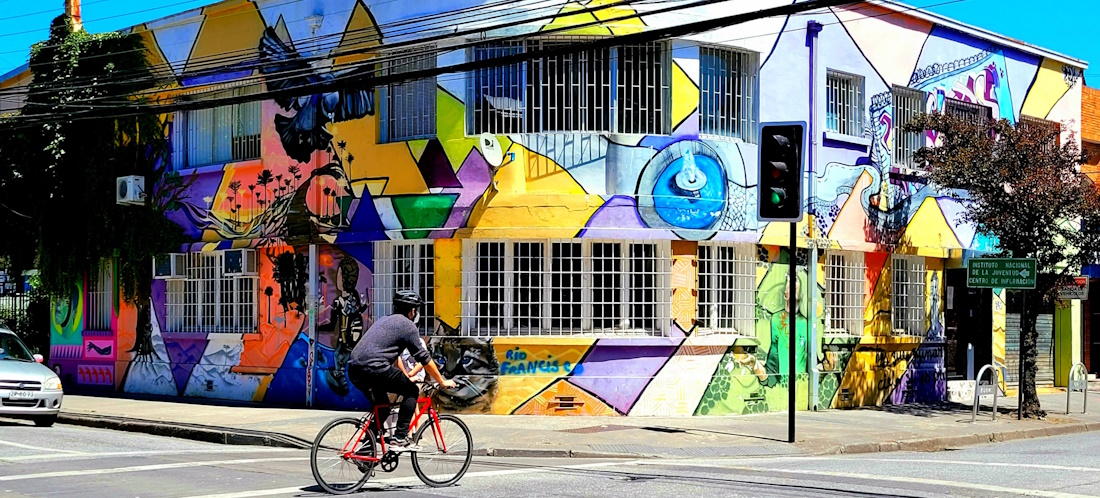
{"type": "Point", "coordinates": [20, 394]}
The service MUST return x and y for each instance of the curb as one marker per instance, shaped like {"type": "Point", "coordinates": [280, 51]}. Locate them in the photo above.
{"type": "Point", "coordinates": [948, 442]}
{"type": "Point", "coordinates": [209, 434]}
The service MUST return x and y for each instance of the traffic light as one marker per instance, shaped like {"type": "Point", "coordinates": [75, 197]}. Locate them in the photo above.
{"type": "Point", "coordinates": [779, 185]}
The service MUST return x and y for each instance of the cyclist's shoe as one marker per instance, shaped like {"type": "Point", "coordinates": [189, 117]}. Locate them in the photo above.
{"type": "Point", "coordinates": [401, 445]}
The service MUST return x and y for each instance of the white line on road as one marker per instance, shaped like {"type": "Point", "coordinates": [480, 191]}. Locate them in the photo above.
{"type": "Point", "coordinates": [110, 454]}
{"type": "Point", "coordinates": [414, 479]}
{"type": "Point", "coordinates": [146, 468]}
{"type": "Point", "coordinates": [35, 448]}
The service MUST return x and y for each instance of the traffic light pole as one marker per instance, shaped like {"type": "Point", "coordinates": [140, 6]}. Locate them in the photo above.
{"type": "Point", "coordinates": [792, 330]}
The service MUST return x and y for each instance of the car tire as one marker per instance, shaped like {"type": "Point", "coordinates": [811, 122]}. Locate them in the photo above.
{"type": "Point", "coordinates": [46, 421]}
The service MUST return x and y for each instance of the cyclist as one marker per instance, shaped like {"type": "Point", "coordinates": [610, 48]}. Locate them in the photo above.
{"type": "Point", "coordinates": [372, 368]}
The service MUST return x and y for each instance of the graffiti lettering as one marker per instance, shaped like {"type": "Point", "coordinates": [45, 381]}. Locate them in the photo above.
{"type": "Point", "coordinates": [520, 367]}
{"type": "Point", "coordinates": [932, 70]}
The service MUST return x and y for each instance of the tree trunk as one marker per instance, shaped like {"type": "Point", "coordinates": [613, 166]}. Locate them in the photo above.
{"type": "Point", "coordinates": [1029, 353]}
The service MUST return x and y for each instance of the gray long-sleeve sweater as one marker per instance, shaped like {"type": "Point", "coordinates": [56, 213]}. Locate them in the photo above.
{"type": "Point", "coordinates": [384, 342]}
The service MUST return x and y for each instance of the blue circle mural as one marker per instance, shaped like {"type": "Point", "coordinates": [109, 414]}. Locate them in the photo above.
{"type": "Point", "coordinates": [685, 188]}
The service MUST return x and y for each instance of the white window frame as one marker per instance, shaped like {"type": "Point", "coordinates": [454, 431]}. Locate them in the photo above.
{"type": "Point", "coordinates": [844, 103]}
{"type": "Point", "coordinates": [239, 140]}
{"type": "Point", "coordinates": [969, 111]}
{"type": "Point", "coordinates": [727, 289]}
{"type": "Point", "coordinates": [489, 110]}
{"type": "Point", "coordinates": [907, 314]}
{"type": "Point", "coordinates": [650, 112]}
{"type": "Point", "coordinates": [396, 264]}
{"type": "Point", "coordinates": [410, 106]}
{"type": "Point", "coordinates": [729, 93]}
{"type": "Point", "coordinates": [908, 103]}
{"type": "Point", "coordinates": [101, 292]}
{"type": "Point", "coordinates": [208, 301]}
{"type": "Point", "coordinates": [845, 291]}
{"type": "Point", "coordinates": [501, 304]}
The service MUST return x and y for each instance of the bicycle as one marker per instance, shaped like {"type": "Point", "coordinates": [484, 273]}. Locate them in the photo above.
{"type": "Point", "coordinates": [353, 458]}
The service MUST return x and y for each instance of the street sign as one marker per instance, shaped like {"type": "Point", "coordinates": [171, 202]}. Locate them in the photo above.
{"type": "Point", "coordinates": [1079, 289]}
{"type": "Point", "coordinates": [1001, 273]}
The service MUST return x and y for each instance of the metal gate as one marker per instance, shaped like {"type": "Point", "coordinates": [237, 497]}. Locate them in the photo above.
{"type": "Point", "coordinates": [1044, 371]}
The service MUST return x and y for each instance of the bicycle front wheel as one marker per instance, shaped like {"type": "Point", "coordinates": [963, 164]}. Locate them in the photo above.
{"type": "Point", "coordinates": [445, 451]}
{"type": "Point", "coordinates": [333, 469]}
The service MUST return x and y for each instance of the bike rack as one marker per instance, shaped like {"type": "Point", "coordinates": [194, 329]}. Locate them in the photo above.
{"type": "Point", "coordinates": [981, 390]}
{"type": "Point", "coordinates": [1081, 384]}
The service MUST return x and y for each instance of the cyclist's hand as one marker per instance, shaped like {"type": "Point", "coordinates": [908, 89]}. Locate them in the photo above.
{"type": "Point", "coordinates": [449, 384]}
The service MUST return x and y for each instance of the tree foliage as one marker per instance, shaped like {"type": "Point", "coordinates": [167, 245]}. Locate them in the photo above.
{"type": "Point", "coordinates": [58, 180]}
{"type": "Point", "coordinates": [1023, 188]}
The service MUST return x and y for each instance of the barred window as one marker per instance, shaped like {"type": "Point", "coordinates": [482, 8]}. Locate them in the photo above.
{"type": "Point", "coordinates": [844, 103]}
{"type": "Point", "coordinates": [975, 113]}
{"type": "Point", "coordinates": [845, 276]}
{"type": "Point", "coordinates": [568, 92]}
{"type": "Point", "coordinates": [1028, 123]}
{"type": "Point", "coordinates": [908, 104]}
{"type": "Point", "coordinates": [728, 92]}
{"type": "Point", "coordinates": [495, 93]}
{"type": "Point", "coordinates": [217, 135]}
{"type": "Point", "coordinates": [643, 102]}
{"type": "Point", "coordinates": [566, 288]}
{"type": "Point", "coordinates": [727, 289]}
{"type": "Point", "coordinates": [410, 105]}
{"type": "Point", "coordinates": [907, 300]}
{"type": "Point", "coordinates": [207, 300]}
{"type": "Point", "coordinates": [101, 289]}
{"type": "Point", "coordinates": [405, 265]}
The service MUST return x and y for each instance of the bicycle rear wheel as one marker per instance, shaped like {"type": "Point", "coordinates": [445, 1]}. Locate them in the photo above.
{"type": "Point", "coordinates": [445, 452]}
{"type": "Point", "coordinates": [332, 469]}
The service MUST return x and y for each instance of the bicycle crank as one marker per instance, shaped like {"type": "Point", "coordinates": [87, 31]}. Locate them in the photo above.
{"type": "Point", "coordinates": [388, 463]}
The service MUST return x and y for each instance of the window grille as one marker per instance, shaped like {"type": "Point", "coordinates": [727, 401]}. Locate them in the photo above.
{"type": "Point", "coordinates": [727, 289]}
{"type": "Point", "coordinates": [907, 301]}
{"type": "Point", "coordinates": [728, 92]}
{"type": "Point", "coordinates": [908, 104]}
{"type": "Point", "coordinates": [410, 105]}
{"type": "Point", "coordinates": [496, 93]}
{"type": "Point", "coordinates": [217, 135]}
{"type": "Point", "coordinates": [642, 91]}
{"type": "Point", "coordinates": [844, 103]}
{"type": "Point", "coordinates": [845, 277]}
{"type": "Point", "coordinates": [207, 300]}
{"type": "Point", "coordinates": [566, 288]}
{"type": "Point", "coordinates": [568, 92]}
{"type": "Point", "coordinates": [1028, 123]}
{"type": "Point", "coordinates": [405, 265]}
{"type": "Point", "coordinates": [100, 298]}
{"type": "Point", "coordinates": [974, 113]}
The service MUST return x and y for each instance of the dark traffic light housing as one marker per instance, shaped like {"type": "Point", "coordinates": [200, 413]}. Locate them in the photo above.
{"type": "Point", "coordinates": [779, 185]}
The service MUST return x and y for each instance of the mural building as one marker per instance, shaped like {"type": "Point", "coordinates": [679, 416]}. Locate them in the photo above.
{"type": "Point", "coordinates": [567, 267]}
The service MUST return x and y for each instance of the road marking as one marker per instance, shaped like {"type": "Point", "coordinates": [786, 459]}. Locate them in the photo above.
{"type": "Point", "coordinates": [109, 454]}
{"type": "Point", "coordinates": [146, 468]}
{"type": "Point", "coordinates": [35, 448]}
{"type": "Point", "coordinates": [988, 464]}
{"type": "Point", "coordinates": [414, 479]}
{"type": "Point", "coordinates": [709, 463]}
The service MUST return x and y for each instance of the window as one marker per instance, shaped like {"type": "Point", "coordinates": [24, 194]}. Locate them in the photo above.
{"type": "Point", "coordinates": [907, 301]}
{"type": "Point", "coordinates": [100, 297]}
{"type": "Point", "coordinates": [207, 300]}
{"type": "Point", "coordinates": [410, 105]}
{"type": "Point", "coordinates": [844, 103]}
{"type": "Point", "coordinates": [400, 265]}
{"type": "Point", "coordinates": [566, 287]}
{"type": "Point", "coordinates": [624, 90]}
{"type": "Point", "coordinates": [727, 289]}
{"type": "Point", "coordinates": [642, 89]}
{"type": "Point", "coordinates": [974, 113]}
{"type": "Point", "coordinates": [1043, 126]}
{"type": "Point", "coordinates": [217, 135]}
{"type": "Point", "coordinates": [728, 92]}
{"type": "Point", "coordinates": [908, 104]}
{"type": "Point", "coordinates": [845, 277]}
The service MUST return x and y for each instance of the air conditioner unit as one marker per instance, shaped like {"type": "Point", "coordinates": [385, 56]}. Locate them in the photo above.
{"type": "Point", "coordinates": [170, 266]}
{"type": "Point", "coordinates": [239, 262]}
{"type": "Point", "coordinates": [130, 190]}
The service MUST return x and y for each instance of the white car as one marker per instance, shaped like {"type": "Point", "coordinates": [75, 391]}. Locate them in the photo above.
{"type": "Point", "coordinates": [28, 389]}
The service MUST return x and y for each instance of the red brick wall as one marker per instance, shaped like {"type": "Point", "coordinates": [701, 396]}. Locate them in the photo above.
{"type": "Point", "coordinates": [1090, 114]}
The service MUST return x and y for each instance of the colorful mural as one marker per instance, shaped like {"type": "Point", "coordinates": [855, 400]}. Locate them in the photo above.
{"type": "Point", "coordinates": [324, 177]}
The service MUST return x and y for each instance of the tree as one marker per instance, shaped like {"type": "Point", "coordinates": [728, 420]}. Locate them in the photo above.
{"type": "Point", "coordinates": [1023, 188]}
{"type": "Point", "coordinates": [60, 177]}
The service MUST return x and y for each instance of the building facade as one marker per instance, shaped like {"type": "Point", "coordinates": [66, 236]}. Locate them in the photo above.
{"type": "Point", "coordinates": [567, 267]}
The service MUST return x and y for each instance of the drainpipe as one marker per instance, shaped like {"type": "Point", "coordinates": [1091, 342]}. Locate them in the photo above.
{"type": "Point", "coordinates": [812, 29]}
{"type": "Point", "coordinates": [72, 8]}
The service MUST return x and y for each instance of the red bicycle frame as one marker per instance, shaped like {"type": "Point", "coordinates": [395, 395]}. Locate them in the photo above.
{"type": "Point", "coordinates": [423, 404]}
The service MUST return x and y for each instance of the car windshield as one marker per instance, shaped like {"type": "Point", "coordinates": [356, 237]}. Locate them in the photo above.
{"type": "Point", "coordinates": [11, 348]}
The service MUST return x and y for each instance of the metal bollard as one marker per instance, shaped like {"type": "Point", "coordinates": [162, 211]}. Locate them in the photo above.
{"type": "Point", "coordinates": [985, 390]}
{"type": "Point", "coordinates": [1081, 384]}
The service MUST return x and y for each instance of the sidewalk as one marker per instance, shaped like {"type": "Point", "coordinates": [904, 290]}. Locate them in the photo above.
{"type": "Point", "coordinates": [890, 428]}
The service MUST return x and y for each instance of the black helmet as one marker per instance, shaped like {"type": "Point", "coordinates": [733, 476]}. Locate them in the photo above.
{"type": "Point", "coordinates": [407, 299]}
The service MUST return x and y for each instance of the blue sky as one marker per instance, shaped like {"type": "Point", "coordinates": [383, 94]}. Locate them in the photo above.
{"type": "Point", "coordinates": [1064, 26]}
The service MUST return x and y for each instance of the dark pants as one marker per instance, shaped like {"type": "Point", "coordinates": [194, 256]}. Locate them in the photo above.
{"type": "Point", "coordinates": [378, 386]}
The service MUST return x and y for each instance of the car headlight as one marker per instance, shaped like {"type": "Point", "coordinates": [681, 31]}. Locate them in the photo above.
{"type": "Point", "coordinates": [52, 384]}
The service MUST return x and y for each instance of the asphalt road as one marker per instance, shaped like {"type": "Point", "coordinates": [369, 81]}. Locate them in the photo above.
{"type": "Point", "coordinates": [89, 463]}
